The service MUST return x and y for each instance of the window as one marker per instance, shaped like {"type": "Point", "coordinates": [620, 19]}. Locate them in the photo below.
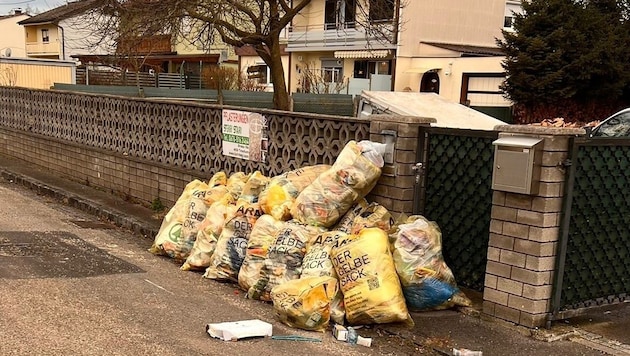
{"type": "Point", "coordinates": [616, 126]}
{"type": "Point", "coordinates": [381, 10]}
{"type": "Point", "coordinates": [339, 14]}
{"type": "Point", "coordinates": [363, 69]}
{"type": "Point", "coordinates": [511, 8]}
{"type": "Point", "coordinates": [332, 71]}
{"type": "Point", "coordinates": [508, 21]}
{"type": "Point", "coordinates": [45, 37]}
{"type": "Point", "coordinates": [259, 72]}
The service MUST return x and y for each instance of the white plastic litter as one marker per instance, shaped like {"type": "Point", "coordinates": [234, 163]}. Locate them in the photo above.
{"type": "Point", "coordinates": [235, 330]}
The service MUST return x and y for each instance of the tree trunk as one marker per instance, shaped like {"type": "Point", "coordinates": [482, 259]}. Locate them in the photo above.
{"type": "Point", "coordinates": [280, 93]}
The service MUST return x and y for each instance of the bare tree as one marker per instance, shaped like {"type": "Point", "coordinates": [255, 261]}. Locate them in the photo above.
{"type": "Point", "coordinates": [258, 23]}
{"type": "Point", "coordinates": [8, 76]}
{"type": "Point", "coordinates": [313, 80]}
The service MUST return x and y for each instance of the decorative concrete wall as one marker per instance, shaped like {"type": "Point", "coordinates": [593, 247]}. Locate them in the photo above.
{"type": "Point", "coordinates": [145, 149]}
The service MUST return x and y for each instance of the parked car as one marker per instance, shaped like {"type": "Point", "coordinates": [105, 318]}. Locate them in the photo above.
{"type": "Point", "coordinates": [616, 125]}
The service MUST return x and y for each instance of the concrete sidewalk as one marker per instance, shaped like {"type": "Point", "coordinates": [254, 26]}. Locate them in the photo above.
{"type": "Point", "coordinates": [603, 331]}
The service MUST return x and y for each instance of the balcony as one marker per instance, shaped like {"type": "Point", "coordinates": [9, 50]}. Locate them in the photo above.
{"type": "Point", "coordinates": [145, 45]}
{"type": "Point", "coordinates": [35, 49]}
{"type": "Point", "coordinates": [330, 37]}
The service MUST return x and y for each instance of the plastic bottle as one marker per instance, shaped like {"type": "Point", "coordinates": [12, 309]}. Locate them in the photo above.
{"type": "Point", "coordinates": [352, 336]}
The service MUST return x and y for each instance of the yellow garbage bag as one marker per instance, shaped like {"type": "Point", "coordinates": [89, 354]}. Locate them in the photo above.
{"type": "Point", "coordinates": [263, 234]}
{"type": "Point", "coordinates": [368, 279]}
{"type": "Point", "coordinates": [347, 220]}
{"type": "Point", "coordinates": [336, 190]}
{"type": "Point", "coordinates": [427, 282]}
{"type": "Point", "coordinates": [284, 259]}
{"type": "Point", "coordinates": [219, 178]}
{"type": "Point", "coordinates": [374, 215]}
{"type": "Point", "coordinates": [305, 303]}
{"type": "Point", "coordinates": [231, 246]}
{"type": "Point", "coordinates": [170, 230]}
{"type": "Point", "coordinates": [229, 253]}
{"type": "Point", "coordinates": [278, 197]}
{"type": "Point", "coordinates": [208, 234]}
{"type": "Point", "coordinates": [318, 263]}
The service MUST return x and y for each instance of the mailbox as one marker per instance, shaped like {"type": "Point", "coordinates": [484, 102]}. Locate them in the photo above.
{"type": "Point", "coordinates": [517, 162]}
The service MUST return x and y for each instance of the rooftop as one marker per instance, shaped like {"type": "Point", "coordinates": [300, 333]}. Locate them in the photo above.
{"type": "Point", "coordinates": [62, 12]}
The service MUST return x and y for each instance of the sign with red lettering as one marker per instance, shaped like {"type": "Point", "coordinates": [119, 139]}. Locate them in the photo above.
{"type": "Point", "coordinates": [244, 135]}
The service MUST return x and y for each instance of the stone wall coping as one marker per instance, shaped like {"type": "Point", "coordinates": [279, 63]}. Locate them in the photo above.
{"type": "Point", "coordinates": [541, 130]}
{"type": "Point", "coordinates": [179, 101]}
{"type": "Point", "coordinates": [402, 119]}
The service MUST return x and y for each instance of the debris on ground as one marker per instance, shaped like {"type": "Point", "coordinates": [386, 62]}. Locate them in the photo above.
{"type": "Point", "coordinates": [236, 330]}
{"type": "Point", "coordinates": [562, 122]}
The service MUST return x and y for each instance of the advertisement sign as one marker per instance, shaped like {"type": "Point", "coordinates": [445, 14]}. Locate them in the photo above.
{"type": "Point", "coordinates": [244, 135]}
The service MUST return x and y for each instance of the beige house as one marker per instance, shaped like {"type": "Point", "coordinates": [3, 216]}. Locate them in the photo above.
{"type": "Point", "coordinates": [252, 67]}
{"type": "Point", "coordinates": [36, 73]}
{"type": "Point", "coordinates": [62, 32]}
{"type": "Point", "coordinates": [12, 39]}
{"type": "Point", "coordinates": [448, 47]}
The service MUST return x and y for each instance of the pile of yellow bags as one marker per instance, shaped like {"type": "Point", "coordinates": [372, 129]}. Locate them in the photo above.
{"type": "Point", "coordinates": [308, 241]}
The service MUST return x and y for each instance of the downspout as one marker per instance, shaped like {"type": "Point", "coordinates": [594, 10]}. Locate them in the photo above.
{"type": "Point", "coordinates": [63, 42]}
{"type": "Point", "coordinates": [396, 40]}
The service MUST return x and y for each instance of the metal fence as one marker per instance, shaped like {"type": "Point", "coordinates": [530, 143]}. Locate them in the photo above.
{"type": "Point", "coordinates": [325, 104]}
{"type": "Point", "coordinates": [140, 79]}
{"type": "Point", "coordinates": [458, 196]}
{"type": "Point", "coordinates": [594, 251]}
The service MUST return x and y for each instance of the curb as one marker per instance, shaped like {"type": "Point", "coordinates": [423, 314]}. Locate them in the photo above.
{"type": "Point", "coordinates": [114, 216]}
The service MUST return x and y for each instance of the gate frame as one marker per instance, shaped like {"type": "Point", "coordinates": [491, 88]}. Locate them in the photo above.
{"type": "Point", "coordinates": [423, 166]}
{"type": "Point", "coordinates": [567, 205]}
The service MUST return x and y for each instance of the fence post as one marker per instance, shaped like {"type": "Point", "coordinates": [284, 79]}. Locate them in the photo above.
{"type": "Point", "coordinates": [525, 233]}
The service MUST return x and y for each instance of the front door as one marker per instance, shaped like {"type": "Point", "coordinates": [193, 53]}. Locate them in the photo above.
{"type": "Point", "coordinates": [430, 82]}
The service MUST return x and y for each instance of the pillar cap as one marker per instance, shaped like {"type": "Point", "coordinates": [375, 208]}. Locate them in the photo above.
{"type": "Point", "coordinates": [402, 119]}
{"type": "Point", "coordinates": [541, 130]}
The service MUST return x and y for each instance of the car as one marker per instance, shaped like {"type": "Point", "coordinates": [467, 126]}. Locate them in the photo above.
{"type": "Point", "coordinates": [616, 125]}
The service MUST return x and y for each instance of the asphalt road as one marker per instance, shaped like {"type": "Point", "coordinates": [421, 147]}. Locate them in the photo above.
{"type": "Point", "coordinates": [71, 285]}
{"type": "Point", "coordinates": [95, 290]}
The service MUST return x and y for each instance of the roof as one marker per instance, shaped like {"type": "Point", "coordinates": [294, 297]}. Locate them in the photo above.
{"type": "Point", "coordinates": [4, 17]}
{"type": "Point", "coordinates": [468, 51]}
{"type": "Point", "coordinates": [430, 105]}
{"type": "Point", "coordinates": [62, 12]}
{"type": "Point", "coordinates": [150, 59]}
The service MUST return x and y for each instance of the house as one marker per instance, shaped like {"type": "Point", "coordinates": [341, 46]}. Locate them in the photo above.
{"type": "Point", "coordinates": [254, 69]}
{"type": "Point", "coordinates": [447, 47]}
{"type": "Point", "coordinates": [12, 40]}
{"type": "Point", "coordinates": [68, 32]}
{"type": "Point", "coordinates": [62, 32]}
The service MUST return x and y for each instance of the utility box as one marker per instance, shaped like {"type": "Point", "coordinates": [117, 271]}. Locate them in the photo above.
{"type": "Point", "coordinates": [517, 163]}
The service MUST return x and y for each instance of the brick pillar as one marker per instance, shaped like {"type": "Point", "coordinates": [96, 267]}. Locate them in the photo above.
{"type": "Point", "coordinates": [395, 188]}
{"type": "Point", "coordinates": [524, 235]}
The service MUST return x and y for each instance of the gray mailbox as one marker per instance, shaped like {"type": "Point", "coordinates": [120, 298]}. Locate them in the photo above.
{"type": "Point", "coordinates": [517, 161]}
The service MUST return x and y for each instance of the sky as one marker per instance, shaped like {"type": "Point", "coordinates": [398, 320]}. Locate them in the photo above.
{"type": "Point", "coordinates": [6, 6]}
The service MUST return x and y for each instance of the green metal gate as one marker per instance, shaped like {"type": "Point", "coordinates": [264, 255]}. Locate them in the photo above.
{"type": "Point", "coordinates": [594, 254]}
{"type": "Point", "coordinates": [456, 193]}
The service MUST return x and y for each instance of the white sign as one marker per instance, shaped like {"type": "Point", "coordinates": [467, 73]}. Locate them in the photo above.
{"type": "Point", "coordinates": [244, 135]}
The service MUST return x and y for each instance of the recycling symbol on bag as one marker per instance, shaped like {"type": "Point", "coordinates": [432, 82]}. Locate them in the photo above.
{"type": "Point", "coordinates": [175, 232]}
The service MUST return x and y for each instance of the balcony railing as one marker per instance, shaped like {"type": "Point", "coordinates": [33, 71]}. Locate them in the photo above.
{"type": "Point", "coordinates": [332, 36]}
{"type": "Point", "coordinates": [43, 48]}
{"type": "Point", "coordinates": [145, 45]}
